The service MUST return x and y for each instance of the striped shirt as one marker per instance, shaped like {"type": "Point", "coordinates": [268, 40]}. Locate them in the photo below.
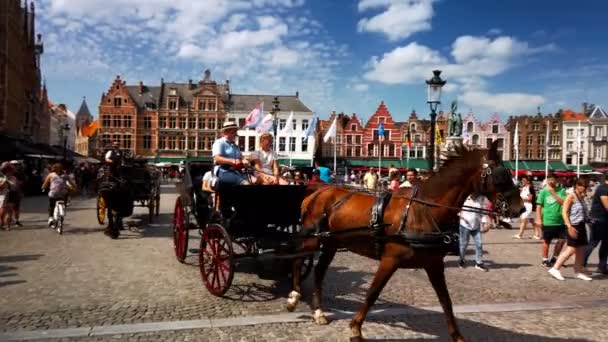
{"type": "Point", "coordinates": [577, 211]}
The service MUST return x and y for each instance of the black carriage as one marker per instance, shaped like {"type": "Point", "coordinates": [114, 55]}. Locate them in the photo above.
{"type": "Point", "coordinates": [142, 181]}
{"type": "Point", "coordinates": [259, 222]}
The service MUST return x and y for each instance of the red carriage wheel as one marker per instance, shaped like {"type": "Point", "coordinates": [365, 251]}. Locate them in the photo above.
{"type": "Point", "coordinates": [180, 231]}
{"type": "Point", "coordinates": [215, 259]}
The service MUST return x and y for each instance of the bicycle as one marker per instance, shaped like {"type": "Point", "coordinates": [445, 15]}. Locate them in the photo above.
{"type": "Point", "coordinates": [58, 216]}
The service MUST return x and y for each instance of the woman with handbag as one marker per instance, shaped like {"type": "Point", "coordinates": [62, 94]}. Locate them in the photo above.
{"type": "Point", "coordinates": [575, 214]}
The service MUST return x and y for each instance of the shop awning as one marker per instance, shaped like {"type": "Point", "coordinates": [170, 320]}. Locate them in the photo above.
{"type": "Point", "coordinates": [557, 166]}
{"type": "Point", "coordinates": [584, 168]}
{"type": "Point", "coordinates": [534, 165]}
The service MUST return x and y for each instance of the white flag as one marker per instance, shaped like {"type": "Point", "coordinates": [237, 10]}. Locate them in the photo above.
{"type": "Point", "coordinates": [288, 129]}
{"type": "Point", "coordinates": [266, 125]}
{"type": "Point", "coordinates": [331, 132]}
{"type": "Point", "coordinates": [516, 136]}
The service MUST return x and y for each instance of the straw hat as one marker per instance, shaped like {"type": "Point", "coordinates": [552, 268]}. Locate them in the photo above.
{"type": "Point", "coordinates": [229, 125]}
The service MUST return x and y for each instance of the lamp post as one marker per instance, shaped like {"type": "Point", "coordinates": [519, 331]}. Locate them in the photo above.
{"type": "Point", "coordinates": [434, 86]}
{"type": "Point", "coordinates": [64, 129]}
{"type": "Point", "coordinates": [275, 121]}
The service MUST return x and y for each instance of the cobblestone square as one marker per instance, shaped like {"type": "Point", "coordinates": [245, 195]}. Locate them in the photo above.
{"type": "Point", "coordinates": [82, 279]}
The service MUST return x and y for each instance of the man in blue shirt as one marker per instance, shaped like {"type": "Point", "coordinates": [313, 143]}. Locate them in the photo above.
{"type": "Point", "coordinates": [324, 173]}
{"type": "Point", "coordinates": [227, 157]}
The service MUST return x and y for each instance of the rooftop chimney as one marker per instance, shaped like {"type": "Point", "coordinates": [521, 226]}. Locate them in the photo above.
{"type": "Point", "coordinates": [190, 84]}
{"type": "Point", "coordinates": [141, 87]}
{"type": "Point", "coordinates": [585, 107]}
{"type": "Point", "coordinates": [297, 94]}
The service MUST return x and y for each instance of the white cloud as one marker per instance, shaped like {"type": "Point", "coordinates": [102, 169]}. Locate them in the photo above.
{"type": "Point", "coordinates": [400, 19]}
{"type": "Point", "coordinates": [263, 46]}
{"type": "Point", "coordinates": [407, 64]}
{"type": "Point", "coordinates": [508, 103]}
{"type": "Point", "coordinates": [362, 87]}
{"type": "Point", "coordinates": [473, 60]}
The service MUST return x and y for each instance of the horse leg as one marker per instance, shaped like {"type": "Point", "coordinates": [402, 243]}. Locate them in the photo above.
{"type": "Point", "coordinates": [388, 266]}
{"type": "Point", "coordinates": [435, 272]}
{"type": "Point", "coordinates": [294, 296]}
{"type": "Point", "coordinates": [325, 259]}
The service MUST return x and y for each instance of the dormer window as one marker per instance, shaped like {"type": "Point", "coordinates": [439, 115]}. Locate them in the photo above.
{"type": "Point", "coordinates": [172, 104]}
{"type": "Point", "coordinates": [353, 127]}
{"type": "Point", "coordinates": [494, 129]}
{"type": "Point", "coordinates": [150, 105]}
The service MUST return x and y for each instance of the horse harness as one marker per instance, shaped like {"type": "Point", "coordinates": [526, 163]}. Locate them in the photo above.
{"type": "Point", "coordinates": [418, 240]}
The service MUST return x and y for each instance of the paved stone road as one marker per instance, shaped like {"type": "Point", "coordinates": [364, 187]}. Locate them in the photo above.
{"type": "Point", "coordinates": [83, 279]}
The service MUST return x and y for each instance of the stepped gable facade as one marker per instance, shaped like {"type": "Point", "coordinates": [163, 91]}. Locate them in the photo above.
{"type": "Point", "coordinates": [389, 145]}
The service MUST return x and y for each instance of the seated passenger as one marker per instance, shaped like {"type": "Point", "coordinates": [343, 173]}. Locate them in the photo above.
{"type": "Point", "coordinates": [209, 182]}
{"type": "Point", "coordinates": [265, 162]}
{"type": "Point", "coordinates": [227, 157]}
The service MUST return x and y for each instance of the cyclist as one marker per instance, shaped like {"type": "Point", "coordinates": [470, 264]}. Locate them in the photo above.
{"type": "Point", "coordinates": [59, 185]}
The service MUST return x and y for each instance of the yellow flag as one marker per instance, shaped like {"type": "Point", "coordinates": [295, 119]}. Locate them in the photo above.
{"type": "Point", "coordinates": [438, 139]}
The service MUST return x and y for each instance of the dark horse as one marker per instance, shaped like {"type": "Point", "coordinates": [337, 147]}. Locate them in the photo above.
{"type": "Point", "coordinates": [334, 217]}
{"type": "Point", "coordinates": [117, 195]}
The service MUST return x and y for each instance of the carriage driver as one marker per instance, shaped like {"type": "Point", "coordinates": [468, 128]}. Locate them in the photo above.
{"type": "Point", "coordinates": [113, 158]}
{"type": "Point", "coordinates": [227, 157]}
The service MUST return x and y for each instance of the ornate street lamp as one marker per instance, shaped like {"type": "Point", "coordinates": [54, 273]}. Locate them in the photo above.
{"type": "Point", "coordinates": [64, 129]}
{"type": "Point", "coordinates": [434, 86]}
{"type": "Point", "coordinates": [275, 113]}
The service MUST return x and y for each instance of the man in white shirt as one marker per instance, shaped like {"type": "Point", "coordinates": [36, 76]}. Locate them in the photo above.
{"type": "Point", "coordinates": [471, 226]}
{"type": "Point", "coordinates": [370, 180]}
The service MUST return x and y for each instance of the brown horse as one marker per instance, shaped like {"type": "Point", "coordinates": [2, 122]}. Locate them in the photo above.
{"type": "Point", "coordinates": [334, 217]}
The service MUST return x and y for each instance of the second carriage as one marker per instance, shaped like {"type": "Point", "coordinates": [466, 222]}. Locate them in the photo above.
{"type": "Point", "coordinates": [259, 222]}
{"type": "Point", "coordinates": [143, 181]}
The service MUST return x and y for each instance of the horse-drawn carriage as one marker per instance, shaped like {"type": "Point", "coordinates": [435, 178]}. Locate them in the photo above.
{"type": "Point", "coordinates": [259, 222]}
{"type": "Point", "coordinates": [135, 184]}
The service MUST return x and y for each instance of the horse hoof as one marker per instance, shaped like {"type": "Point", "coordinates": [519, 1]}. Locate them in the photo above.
{"type": "Point", "coordinates": [292, 300]}
{"type": "Point", "coordinates": [320, 318]}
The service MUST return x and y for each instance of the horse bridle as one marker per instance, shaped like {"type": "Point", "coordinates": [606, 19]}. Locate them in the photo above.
{"type": "Point", "coordinates": [500, 178]}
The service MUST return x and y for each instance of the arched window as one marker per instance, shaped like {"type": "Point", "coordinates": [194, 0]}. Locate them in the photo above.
{"type": "Point", "coordinates": [413, 127]}
{"type": "Point", "coordinates": [469, 126]}
{"type": "Point", "coordinates": [475, 138]}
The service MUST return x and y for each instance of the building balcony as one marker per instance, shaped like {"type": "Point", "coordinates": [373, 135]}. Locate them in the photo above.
{"type": "Point", "coordinates": [600, 139]}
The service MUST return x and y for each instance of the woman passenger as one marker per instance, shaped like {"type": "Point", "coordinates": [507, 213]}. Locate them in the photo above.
{"type": "Point", "coordinates": [265, 162]}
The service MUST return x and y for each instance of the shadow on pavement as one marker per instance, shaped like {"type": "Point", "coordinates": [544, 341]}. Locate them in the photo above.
{"type": "Point", "coordinates": [14, 258]}
{"type": "Point", "coordinates": [433, 324]}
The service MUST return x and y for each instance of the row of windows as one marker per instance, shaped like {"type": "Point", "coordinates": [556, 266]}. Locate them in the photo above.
{"type": "Point", "coordinates": [203, 143]}
{"type": "Point", "coordinates": [203, 105]}
{"type": "Point", "coordinates": [125, 140]}
{"type": "Point", "coordinates": [190, 123]}
{"type": "Point", "coordinates": [540, 154]}
{"type": "Point", "coordinates": [283, 122]}
{"type": "Point", "coordinates": [116, 121]}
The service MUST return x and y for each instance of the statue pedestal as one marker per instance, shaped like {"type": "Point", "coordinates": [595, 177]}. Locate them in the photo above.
{"type": "Point", "coordinates": [449, 148]}
{"type": "Point", "coordinates": [451, 142]}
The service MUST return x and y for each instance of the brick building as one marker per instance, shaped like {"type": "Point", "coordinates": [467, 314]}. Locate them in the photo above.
{"type": "Point", "coordinates": [171, 121]}
{"type": "Point", "coordinates": [387, 146]}
{"type": "Point", "coordinates": [532, 135]}
{"type": "Point", "coordinates": [21, 109]}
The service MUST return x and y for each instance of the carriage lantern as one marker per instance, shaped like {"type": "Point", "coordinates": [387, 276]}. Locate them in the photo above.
{"type": "Point", "coordinates": [434, 86]}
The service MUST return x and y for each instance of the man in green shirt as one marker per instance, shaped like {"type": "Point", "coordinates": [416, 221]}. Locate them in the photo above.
{"type": "Point", "coordinates": [549, 218]}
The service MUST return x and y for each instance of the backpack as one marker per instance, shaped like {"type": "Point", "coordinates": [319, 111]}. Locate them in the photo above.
{"type": "Point", "coordinates": [59, 187]}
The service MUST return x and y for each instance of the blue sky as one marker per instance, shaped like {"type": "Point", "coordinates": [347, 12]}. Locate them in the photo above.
{"type": "Point", "coordinates": [345, 55]}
